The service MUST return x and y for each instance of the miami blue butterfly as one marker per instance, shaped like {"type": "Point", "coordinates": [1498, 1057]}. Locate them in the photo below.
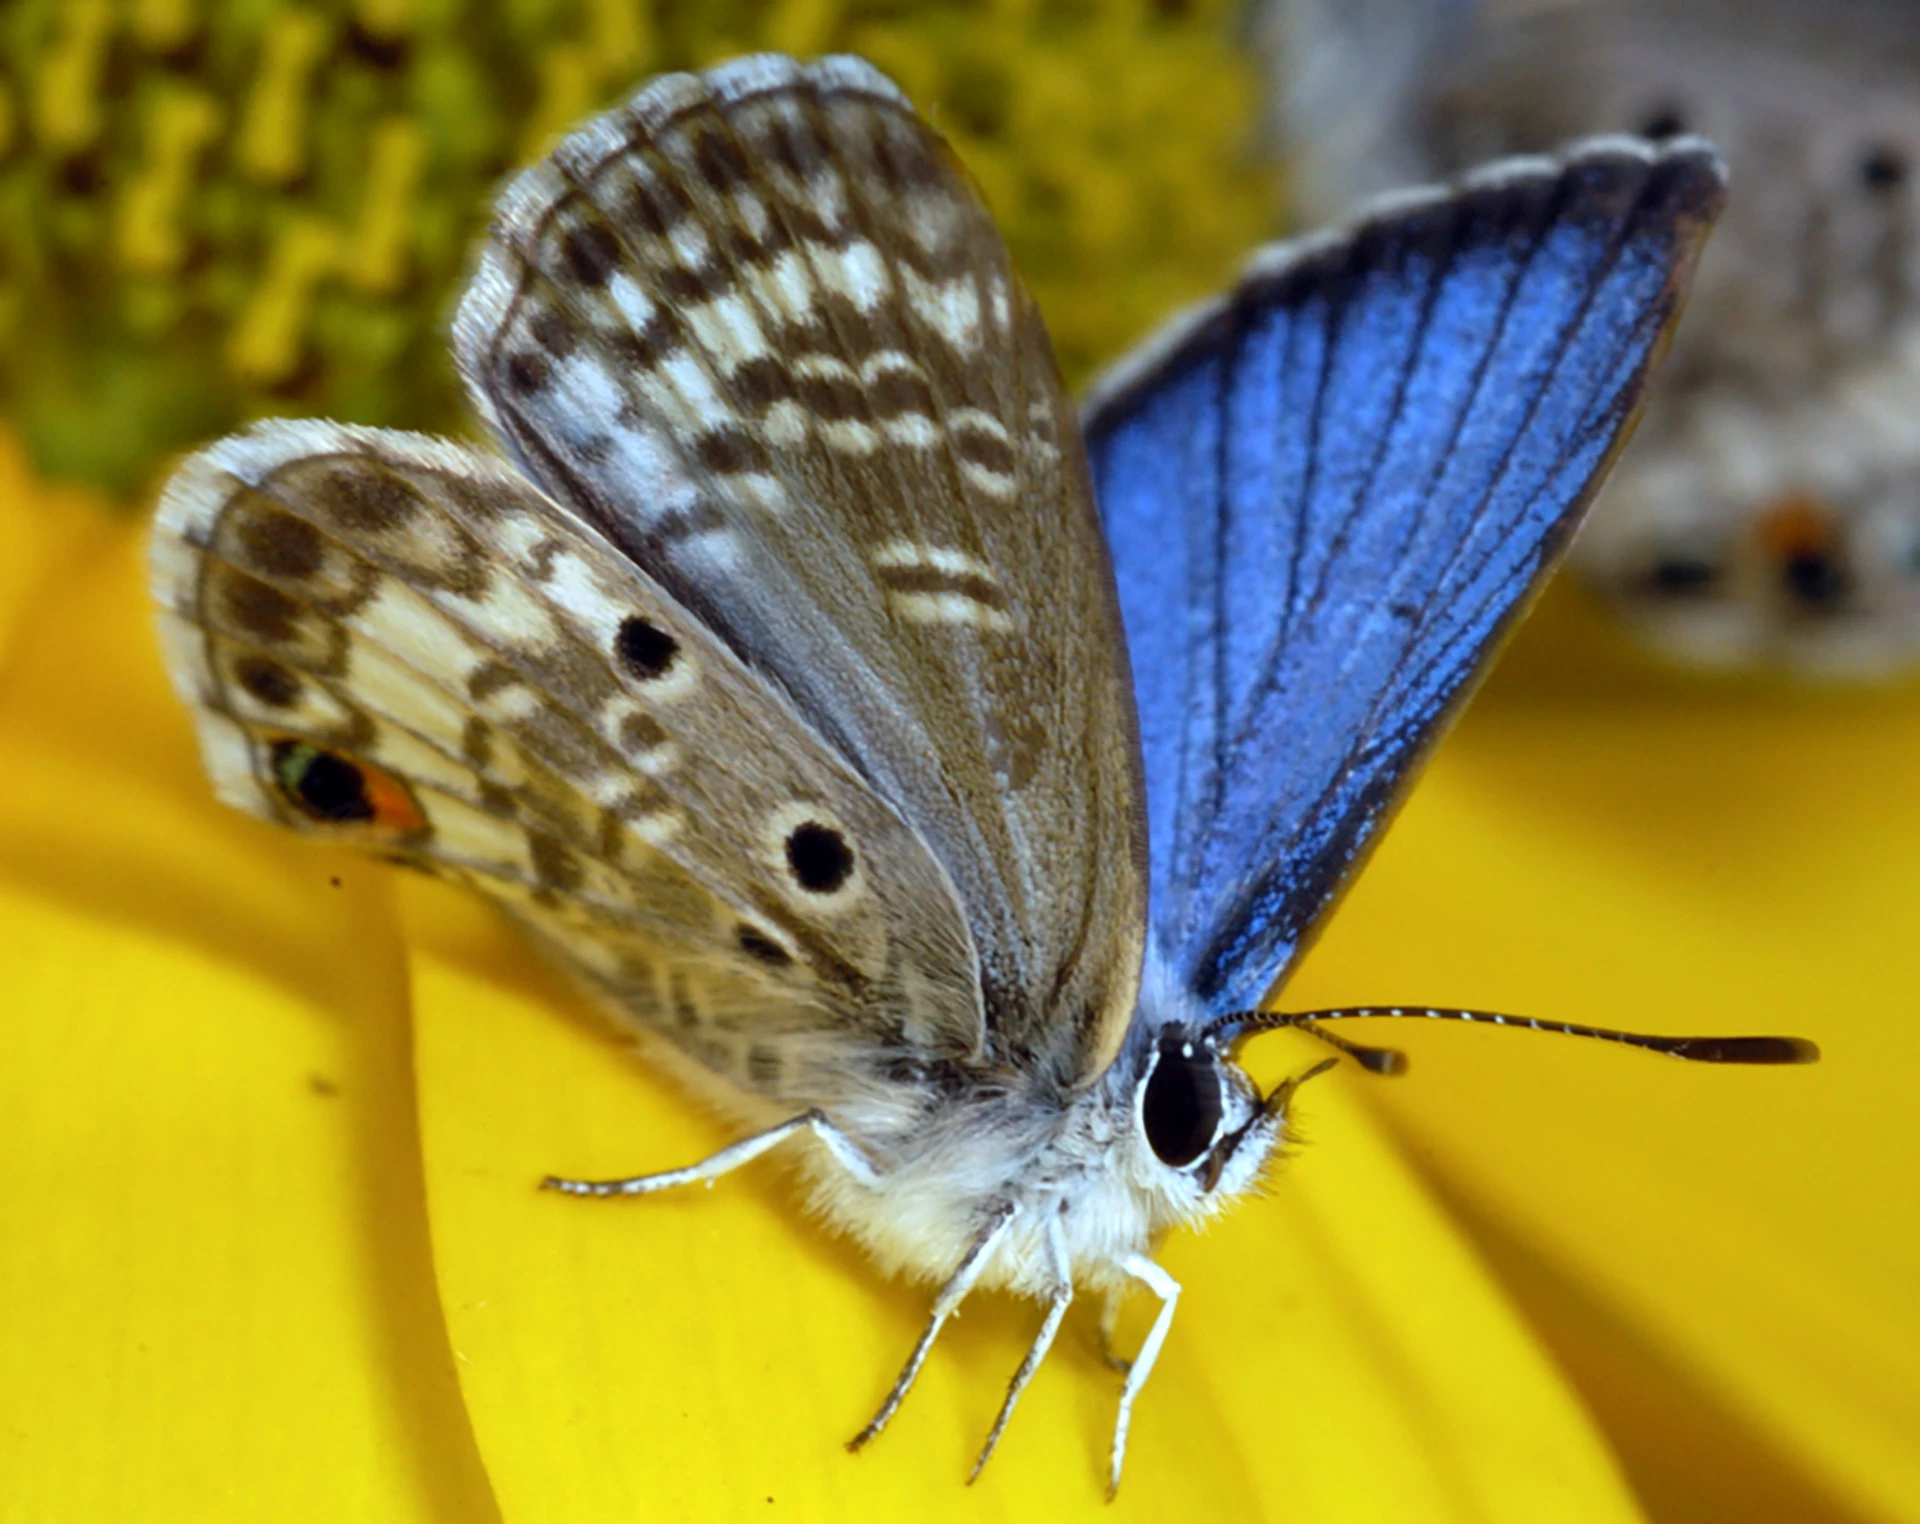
{"type": "Point", "coordinates": [778, 684]}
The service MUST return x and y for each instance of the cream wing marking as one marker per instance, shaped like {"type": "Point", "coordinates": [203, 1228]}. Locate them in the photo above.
{"type": "Point", "coordinates": [506, 700]}
{"type": "Point", "coordinates": [760, 328]}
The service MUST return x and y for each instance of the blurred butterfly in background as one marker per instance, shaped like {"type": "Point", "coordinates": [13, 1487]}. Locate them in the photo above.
{"type": "Point", "coordinates": [1769, 510]}
{"type": "Point", "coordinates": [776, 680]}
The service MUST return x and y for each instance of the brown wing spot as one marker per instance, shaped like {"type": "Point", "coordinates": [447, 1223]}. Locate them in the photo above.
{"type": "Point", "coordinates": [476, 741]}
{"type": "Point", "coordinates": [641, 804]}
{"type": "Point", "coordinates": [594, 449]}
{"type": "Point", "coordinates": [656, 205]}
{"type": "Point", "coordinates": [730, 450]}
{"type": "Point", "coordinates": [694, 286]}
{"type": "Point", "coordinates": [745, 247]}
{"type": "Point", "coordinates": [641, 732]}
{"type": "Point", "coordinates": [553, 333]}
{"type": "Point", "coordinates": [720, 160]}
{"type": "Point", "coordinates": [849, 331]}
{"type": "Point", "coordinates": [808, 226]}
{"type": "Point", "coordinates": [490, 678]}
{"type": "Point", "coordinates": [984, 448]}
{"type": "Point", "coordinates": [898, 392]}
{"type": "Point", "coordinates": [790, 141]}
{"type": "Point", "coordinates": [591, 253]}
{"type": "Point", "coordinates": [643, 348]}
{"type": "Point", "coordinates": [638, 969]}
{"type": "Point", "coordinates": [368, 497]}
{"type": "Point", "coordinates": [677, 524]}
{"type": "Point", "coordinates": [540, 559]}
{"type": "Point", "coordinates": [764, 1066]}
{"type": "Point", "coordinates": [815, 950]}
{"type": "Point", "coordinates": [497, 801]}
{"type": "Point", "coordinates": [833, 399]}
{"type": "Point", "coordinates": [553, 863]}
{"type": "Point", "coordinates": [761, 383]}
{"type": "Point", "coordinates": [279, 544]}
{"type": "Point", "coordinates": [479, 500]}
{"type": "Point", "coordinates": [934, 580]}
{"type": "Point", "coordinates": [905, 165]}
{"type": "Point", "coordinates": [756, 944]}
{"type": "Point", "coordinates": [263, 612]}
{"type": "Point", "coordinates": [680, 997]}
{"type": "Point", "coordinates": [528, 372]}
{"type": "Point", "coordinates": [268, 681]}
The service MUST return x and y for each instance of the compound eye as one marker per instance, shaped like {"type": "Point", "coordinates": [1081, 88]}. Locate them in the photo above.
{"type": "Point", "coordinates": [1182, 1107]}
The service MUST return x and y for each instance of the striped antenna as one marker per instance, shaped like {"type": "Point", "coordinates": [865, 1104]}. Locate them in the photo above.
{"type": "Point", "coordinates": [1700, 1050]}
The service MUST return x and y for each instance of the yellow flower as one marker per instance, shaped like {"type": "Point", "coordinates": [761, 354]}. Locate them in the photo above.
{"type": "Point", "coordinates": [213, 212]}
{"type": "Point", "coordinates": [272, 1247]}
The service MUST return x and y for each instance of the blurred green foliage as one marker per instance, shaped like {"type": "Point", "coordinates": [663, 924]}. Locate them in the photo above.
{"type": "Point", "coordinates": [216, 209]}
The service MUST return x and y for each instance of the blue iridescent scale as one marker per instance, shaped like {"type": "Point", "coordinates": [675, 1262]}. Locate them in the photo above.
{"type": "Point", "coordinates": [1325, 502]}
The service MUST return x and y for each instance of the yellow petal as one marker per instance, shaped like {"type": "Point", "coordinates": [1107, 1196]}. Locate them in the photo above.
{"type": "Point", "coordinates": [215, 1293]}
{"type": "Point", "coordinates": [1678, 858]}
{"type": "Point", "coordinates": [42, 530]}
{"type": "Point", "coordinates": [1339, 1353]}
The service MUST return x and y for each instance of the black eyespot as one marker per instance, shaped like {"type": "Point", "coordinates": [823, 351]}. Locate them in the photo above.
{"type": "Point", "coordinates": [1182, 1108]}
{"type": "Point", "coordinates": [1682, 575]}
{"type": "Point", "coordinates": [319, 783]}
{"type": "Point", "coordinates": [1883, 168]}
{"type": "Point", "coordinates": [820, 857]}
{"type": "Point", "coordinates": [646, 649]}
{"type": "Point", "coordinates": [1663, 122]}
{"type": "Point", "coordinates": [1814, 579]}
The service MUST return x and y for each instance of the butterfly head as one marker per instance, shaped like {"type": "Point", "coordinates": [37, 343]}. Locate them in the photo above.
{"type": "Point", "coordinates": [1202, 1117]}
{"type": "Point", "coordinates": [1201, 1132]}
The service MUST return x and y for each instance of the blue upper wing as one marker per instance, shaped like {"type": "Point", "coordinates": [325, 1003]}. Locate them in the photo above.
{"type": "Point", "coordinates": [1329, 494]}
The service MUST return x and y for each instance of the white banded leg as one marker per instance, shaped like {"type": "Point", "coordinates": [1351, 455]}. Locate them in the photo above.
{"type": "Point", "coordinates": [1167, 1289]}
{"type": "Point", "coordinates": [1110, 1328]}
{"type": "Point", "coordinates": [728, 1160]}
{"type": "Point", "coordinates": [951, 1296]}
{"type": "Point", "coordinates": [1058, 1300]}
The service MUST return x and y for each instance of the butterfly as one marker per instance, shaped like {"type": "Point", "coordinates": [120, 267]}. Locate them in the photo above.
{"type": "Point", "coordinates": [777, 678]}
{"type": "Point", "coordinates": [1769, 511]}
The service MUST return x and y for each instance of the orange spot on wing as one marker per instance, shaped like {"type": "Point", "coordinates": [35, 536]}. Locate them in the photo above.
{"type": "Point", "coordinates": [1797, 524]}
{"type": "Point", "coordinates": [394, 809]}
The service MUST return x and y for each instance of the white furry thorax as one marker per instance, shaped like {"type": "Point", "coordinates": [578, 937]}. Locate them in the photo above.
{"type": "Point", "coordinates": [1086, 1162]}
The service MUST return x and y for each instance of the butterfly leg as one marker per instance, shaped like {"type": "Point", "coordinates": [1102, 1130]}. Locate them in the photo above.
{"type": "Point", "coordinates": [1167, 1289]}
{"type": "Point", "coordinates": [1109, 1328]}
{"type": "Point", "coordinates": [951, 1296]}
{"type": "Point", "coordinates": [1058, 1300]}
{"type": "Point", "coordinates": [728, 1160]}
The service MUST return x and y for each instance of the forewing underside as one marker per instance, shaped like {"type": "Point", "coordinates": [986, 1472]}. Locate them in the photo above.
{"type": "Point", "coordinates": [761, 330]}
{"type": "Point", "coordinates": [1329, 495]}
{"type": "Point", "coordinates": [400, 642]}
